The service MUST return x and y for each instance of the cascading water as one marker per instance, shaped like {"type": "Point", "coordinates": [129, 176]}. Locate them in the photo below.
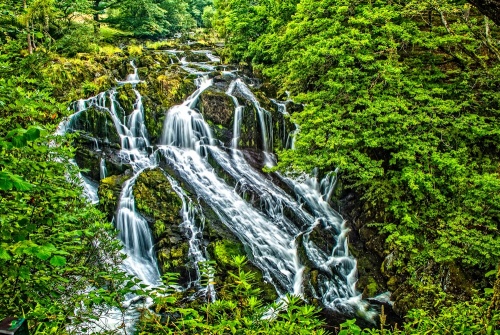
{"type": "Point", "coordinates": [266, 230]}
{"type": "Point", "coordinates": [264, 118]}
{"type": "Point", "coordinates": [278, 228]}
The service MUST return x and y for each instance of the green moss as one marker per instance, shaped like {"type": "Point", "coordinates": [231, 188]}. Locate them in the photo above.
{"type": "Point", "coordinates": [97, 124]}
{"type": "Point", "coordinates": [156, 200]}
{"type": "Point", "coordinates": [218, 109]}
{"type": "Point", "coordinates": [371, 289]}
{"type": "Point", "coordinates": [126, 97]}
{"type": "Point", "coordinates": [225, 250]}
{"type": "Point", "coordinates": [109, 193]}
{"type": "Point", "coordinates": [160, 91]}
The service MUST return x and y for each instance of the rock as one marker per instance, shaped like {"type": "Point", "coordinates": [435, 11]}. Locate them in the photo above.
{"type": "Point", "coordinates": [218, 109]}
{"type": "Point", "coordinates": [90, 161]}
{"type": "Point", "coordinates": [196, 57]}
{"type": "Point", "coordinates": [158, 203]}
{"type": "Point", "coordinates": [109, 194]}
{"type": "Point", "coordinates": [126, 97]}
{"type": "Point", "coordinates": [97, 124]}
{"type": "Point", "coordinates": [223, 251]}
{"type": "Point", "coordinates": [160, 91]}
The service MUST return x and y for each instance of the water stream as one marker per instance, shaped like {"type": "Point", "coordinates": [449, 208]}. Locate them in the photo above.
{"type": "Point", "coordinates": [279, 228]}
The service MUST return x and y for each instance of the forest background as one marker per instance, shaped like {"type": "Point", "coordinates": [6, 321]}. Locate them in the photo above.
{"type": "Point", "coordinates": [401, 96]}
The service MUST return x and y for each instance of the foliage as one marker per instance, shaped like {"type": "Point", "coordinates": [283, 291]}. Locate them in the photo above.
{"type": "Point", "coordinates": [244, 313]}
{"type": "Point", "coordinates": [152, 18]}
{"type": "Point", "coordinates": [402, 97]}
{"type": "Point", "coordinates": [467, 318]}
{"type": "Point", "coordinates": [53, 245]}
{"type": "Point", "coordinates": [59, 255]}
{"type": "Point", "coordinates": [197, 9]}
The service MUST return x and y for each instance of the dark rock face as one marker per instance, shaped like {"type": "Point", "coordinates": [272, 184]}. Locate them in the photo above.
{"type": "Point", "coordinates": [158, 203]}
{"type": "Point", "coordinates": [217, 109]}
{"type": "Point", "coordinates": [380, 269]}
{"type": "Point", "coordinates": [97, 124]}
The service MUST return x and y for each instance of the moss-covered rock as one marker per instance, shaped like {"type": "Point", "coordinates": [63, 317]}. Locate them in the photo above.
{"type": "Point", "coordinates": [109, 193]}
{"type": "Point", "coordinates": [217, 109]}
{"type": "Point", "coordinates": [223, 252]}
{"type": "Point", "coordinates": [155, 198]}
{"type": "Point", "coordinates": [97, 124]}
{"type": "Point", "coordinates": [160, 91]}
{"type": "Point", "coordinates": [126, 97]}
{"type": "Point", "coordinates": [88, 160]}
{"type": "Point", "coordinates": [250, 135]}
{"type": "Point", "coordinates": [195, 57]}
{"type": "Point", "coordinates": [158, 203]}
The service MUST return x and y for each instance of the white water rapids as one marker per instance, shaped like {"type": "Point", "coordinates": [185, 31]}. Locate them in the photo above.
{"type": "Point", "coordinates": [276, 231]}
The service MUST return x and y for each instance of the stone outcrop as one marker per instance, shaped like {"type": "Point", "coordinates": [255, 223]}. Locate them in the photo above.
{"type": "Point", "coordinates": [109, 193]}
{"type": "Point", "coordinates": [162, 89]}
{"type": "Point", "coordinates": [218, 109]}
{"type": "Point", "coordinates": [158, 203]}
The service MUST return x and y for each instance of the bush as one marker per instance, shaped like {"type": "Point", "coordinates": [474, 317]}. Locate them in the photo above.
{"type": "Point", "coordinates": [243, 313]}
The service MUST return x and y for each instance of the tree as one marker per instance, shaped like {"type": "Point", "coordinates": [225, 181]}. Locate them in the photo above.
{"type": "Point", "coordinates": [152, 18]}
{"type": "Point", "coordinates": [401, 96]}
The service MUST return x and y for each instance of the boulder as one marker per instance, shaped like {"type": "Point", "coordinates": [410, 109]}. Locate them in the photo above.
{"type": "Point", "coordinates": [158, 203]}
{"type": "Point", "coordinates": [109, 193]}
{"type": "Point", "coordinates": [218, 110]}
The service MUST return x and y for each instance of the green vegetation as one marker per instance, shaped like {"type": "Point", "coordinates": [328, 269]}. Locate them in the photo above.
{"type": "Point", "coordinates": [241, 313]}
{"type": "Point", "coordinates": [402, 97]}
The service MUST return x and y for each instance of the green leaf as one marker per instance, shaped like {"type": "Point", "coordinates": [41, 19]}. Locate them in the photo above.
{"type": "Point", "coordinates": [19, 141]}
{"type": "Point", "coordinates": [19, 183]}
{"type": "Point", "coordinates": [4, 254]}
{"type": "Point", "coordinates": [58, 261]}
{"type": "Point", "coordinates": [490, 273]}
{"type": "Point", "coordinates": [5, 184]}
{"type": "Point", "coordinates": [44, 252]}
{"type": "Point", "coordinates": [32, 134]}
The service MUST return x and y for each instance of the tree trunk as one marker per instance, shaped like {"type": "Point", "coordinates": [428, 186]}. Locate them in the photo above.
{"type": "Point", "coordinates": [28, 32]}
{"type": "Point", "coordinates": [97, 25]}
{"type": "Point", "coordinates": [490, 8]}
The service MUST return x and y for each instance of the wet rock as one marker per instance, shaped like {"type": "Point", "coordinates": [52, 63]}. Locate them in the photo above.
{"type": "Point", "coordinates": [196, 57]}
{"type": "Point", "coordinates": [127, 98]}
{"type": "Point", "coordinates": [223, 252]}
{"type": "Point", "coordinates": [160, 91]}
{"type": "Point", "coordinates": [366, 246]}
{"type": "Point", "coordinates": [89, 161]}
{"type": "Point", "coordinates": [250, 135]}
{"type": "Point", "coordinates": [109, 193]}
{"type": "Point", "coordinates": [97, 124]}
{"type": "Point", "coordinates": [218, 109]}
{"type": "Point", "coordinates": [158, 203]}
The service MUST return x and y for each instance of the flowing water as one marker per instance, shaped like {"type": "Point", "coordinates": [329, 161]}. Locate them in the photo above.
{"type": "Point", "coordinates": [279, 227]}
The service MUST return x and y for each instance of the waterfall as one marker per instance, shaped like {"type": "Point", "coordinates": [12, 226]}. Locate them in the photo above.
{"type": "Point", "coordinates": [193, 221]}
{"type": "Point", "coordinates": [184, 127]}
{"type": "Point", "coordinates": [279, 228]}
{"type": "Point", "coordinates": [280, 225]}
{"type": "Point", "coordinates": [133, 229]}
{"type": "Point", "coordinates": [264, 117]}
